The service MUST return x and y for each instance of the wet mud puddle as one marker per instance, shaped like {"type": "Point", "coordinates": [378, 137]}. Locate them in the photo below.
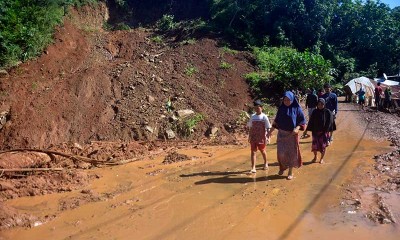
{"type": "Point", "coordinates": [212, 196]}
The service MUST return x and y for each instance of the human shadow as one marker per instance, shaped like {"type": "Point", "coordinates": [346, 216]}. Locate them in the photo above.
{"type": "Point", "coordinates": [241, 180]}
{"type": "Point", "coordinates": [225, 173]}
{"type": "Point", "coordinates": [309, 163]}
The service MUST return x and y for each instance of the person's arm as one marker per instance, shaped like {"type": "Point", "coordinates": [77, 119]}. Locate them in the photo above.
{"type": "Point", "coordinates": [248, 128]}
{"type": "Point", "coordinates": [336, 105]}
{"type": "Point", "coordinates": [272, 129]}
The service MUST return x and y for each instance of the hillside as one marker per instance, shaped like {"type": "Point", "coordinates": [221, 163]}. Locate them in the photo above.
{"type": "Point", "coordinates": [94, 85]}
{"type": "Point", "coordinates": [99, 97]}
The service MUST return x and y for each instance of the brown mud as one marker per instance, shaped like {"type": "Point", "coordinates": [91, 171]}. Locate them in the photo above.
{"type": "Point", "coordinates": [211, 195]}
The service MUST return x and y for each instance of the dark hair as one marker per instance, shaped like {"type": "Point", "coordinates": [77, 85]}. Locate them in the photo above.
{"type": "Point", "coordinates": [327, 85]}
{"type": "Point", "coordinates": [379, 84]}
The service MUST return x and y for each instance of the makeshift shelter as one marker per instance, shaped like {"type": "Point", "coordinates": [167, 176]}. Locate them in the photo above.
{"type": "Point", "coordinates": [355, 85]}
{"type": "Point", "coordinates": [387, 82]}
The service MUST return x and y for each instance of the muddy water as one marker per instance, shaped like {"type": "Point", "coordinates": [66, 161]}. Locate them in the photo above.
{"type": "Point", "coordinates": [213, 197]}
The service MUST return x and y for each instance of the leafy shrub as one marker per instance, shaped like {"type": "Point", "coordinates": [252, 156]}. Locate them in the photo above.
{"type": "Point", "coordinates": [286, 68]}
{"type": "Point", "coordinates": [122, 26]}
{"type": "Point", "coordinates": [157, 39]}
{"type": "Point", "coordinates": [186, 128]}
{"type": "Point", "coordinates": [27, 27]}
{"type": "Point", "coordinates": [190, 70]}
{"type": "Point", "coordinates": [166, 23]}
{"type": "Point", "coordinates": [225, 65]}
{"type": "Point", "coordinates": [226, 49]}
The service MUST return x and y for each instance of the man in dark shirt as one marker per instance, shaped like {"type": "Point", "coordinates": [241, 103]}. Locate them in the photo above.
{"type": "Point", "coordinates": [311, 102]}
{"type": "Point", "coordinates": [331, 103]}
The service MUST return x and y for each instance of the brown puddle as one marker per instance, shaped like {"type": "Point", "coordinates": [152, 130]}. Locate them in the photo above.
{"type": "Point", "coordinates": [213, 197]}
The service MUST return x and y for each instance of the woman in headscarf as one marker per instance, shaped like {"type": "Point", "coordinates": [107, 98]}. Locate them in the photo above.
{"type": "Point", "coordinates": [320, 124]}
{"type": "Point", "coordinates": [289, 120]}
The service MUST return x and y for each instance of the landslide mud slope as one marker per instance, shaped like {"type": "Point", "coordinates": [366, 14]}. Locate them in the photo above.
{"type": "Point", "coordinates": [93, 85]}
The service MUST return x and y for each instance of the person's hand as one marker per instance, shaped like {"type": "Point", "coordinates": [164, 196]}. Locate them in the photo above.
{"type": "Point", "coordinates": [296, 130]}
{"type": "Point", "coordinates": [268, 135]}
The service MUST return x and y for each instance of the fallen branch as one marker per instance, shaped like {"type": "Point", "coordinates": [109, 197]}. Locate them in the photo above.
{"type": "Point", "coordinates": [30, 169]}
{"type": "Point", "coordinates": [50, 153]}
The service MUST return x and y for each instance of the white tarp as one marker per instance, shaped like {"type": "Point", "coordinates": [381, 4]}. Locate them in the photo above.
{"type": "Point", "coordinates": [356, 83]}
{"type": "Point", "coordinates": [386, 82]}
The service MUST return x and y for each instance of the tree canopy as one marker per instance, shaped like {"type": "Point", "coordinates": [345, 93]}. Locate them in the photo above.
{"type": "Point", "coordinates": [354, 36]}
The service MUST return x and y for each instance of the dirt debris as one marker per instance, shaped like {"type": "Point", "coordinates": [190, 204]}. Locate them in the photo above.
{"type": "Point", "coordinates": [175, 157]}
{"type": "Point", "coordinates": [385, 181]}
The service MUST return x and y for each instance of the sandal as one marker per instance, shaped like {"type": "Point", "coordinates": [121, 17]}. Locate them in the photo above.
{"type": "Point", "coordinates": [290, 177]}
{"type": "Point", "coordinates": [280, 173]}
{"type": "Point", "coordinates": [321, 161]}
{"type": "Point", "coordinates": [265, 167]}
{"type": "Point", "coordinates": [314, 160]}
{"type": "Point", "coordinates": [253, 171]}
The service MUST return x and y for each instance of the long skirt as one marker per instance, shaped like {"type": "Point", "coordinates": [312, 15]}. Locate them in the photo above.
{"type": "Point", "coordinates": [288, 150]}
{"type": "Point", "coordinates": [319, 141]}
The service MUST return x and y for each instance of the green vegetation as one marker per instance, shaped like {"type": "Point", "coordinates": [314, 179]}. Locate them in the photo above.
{"type": "Point", "coordinates": [190, 70]}
{"type": "Point", "coordinates": [186, 128]}
{"type": "Point", "coordinates": [286, 68]}
{"type": "Point", "coordinates": [122, 26]}
{"type": "Point", "coordinates": [189, 41]}
{"type": "Point", "coordinates": [341, 38]}
{"type": "Point", "coordinates": [225, 65]}
{"type": "Point", "coordinates": [226, 49]}
{"type": "Point", "coordinates": [157, 39]}
{"type": "Point", "coordinates": [166, 23]}
{"type": "Point", "coordinates": [355, 36]}
{"type": "Point", "coordinates": [27, 26]}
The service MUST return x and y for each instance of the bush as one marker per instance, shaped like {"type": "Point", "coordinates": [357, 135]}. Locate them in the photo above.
{"type": "Point", "coordinates": [225, 65]}
{"type": "Point", "coordinates": [27, 27]}
{"type": "Point", "coordinates": [166, 23]}
{"type": "Point", "coordinates": [190, 70]}
{"type": "Point", "coordinates": [286, 68]}
{"type": "Point", "coordinates": [186, 128]}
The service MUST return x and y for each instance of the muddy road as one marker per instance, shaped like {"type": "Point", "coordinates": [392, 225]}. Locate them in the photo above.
{"type": "Point", "coordinates": [212, 196]}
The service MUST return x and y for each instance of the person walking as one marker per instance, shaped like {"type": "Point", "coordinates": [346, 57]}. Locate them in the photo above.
{"type": "Point", "coordinates": [289, 120]}
{"type": "Point", "coordinates": [378, 96]}
{"type": "Point", "coordinates": [320, 124]}
{"type": "Point", "coordinates": [388, 99]}
{"type": "Point", "coordinates": [311, 102]}
{"type": "Point", "coordinates": [331, 103]}
{"type": "Point", "coordinates": [361, 97]}
{"type": "Point", "coordinates": [259, 126]}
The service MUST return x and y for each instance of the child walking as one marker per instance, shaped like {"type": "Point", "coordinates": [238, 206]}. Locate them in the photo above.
{"type": "Point", "coordinates": [259, 134]}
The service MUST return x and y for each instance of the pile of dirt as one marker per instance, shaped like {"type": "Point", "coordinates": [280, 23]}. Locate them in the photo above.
{"type": "Point", "coordinates": [111, 86]}
{"type": "Point", "coordinates": [175, 157]}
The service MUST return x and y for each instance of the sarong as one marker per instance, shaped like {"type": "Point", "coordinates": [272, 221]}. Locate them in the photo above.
{"type": "Point", "coordinates": [288, 150]}
{"type": "Point", "coordinates": [319, 141]}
